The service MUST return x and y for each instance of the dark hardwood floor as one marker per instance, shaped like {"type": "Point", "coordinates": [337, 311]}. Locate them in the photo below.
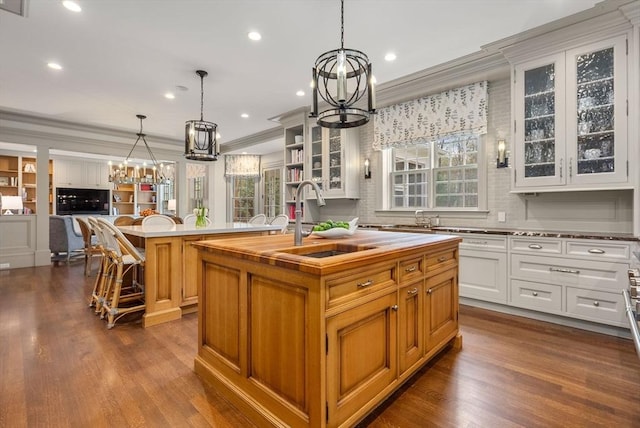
{"type": "Point", "coordinates": [61, 367]}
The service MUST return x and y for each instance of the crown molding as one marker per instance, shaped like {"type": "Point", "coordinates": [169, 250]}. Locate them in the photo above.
{"type": "Point", "coordinates": [74, 127]}
{"type": "Point", "coordinates": [481, 65]}
{"type": "Point", "coordinates": [251, 140]}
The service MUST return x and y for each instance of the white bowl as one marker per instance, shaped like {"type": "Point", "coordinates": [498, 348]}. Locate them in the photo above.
{"type": "Point", "coordinates": [339, 232]}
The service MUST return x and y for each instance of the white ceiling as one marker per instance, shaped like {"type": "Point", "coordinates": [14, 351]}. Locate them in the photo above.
{"type": "Point", "coordinates": [121, 56]}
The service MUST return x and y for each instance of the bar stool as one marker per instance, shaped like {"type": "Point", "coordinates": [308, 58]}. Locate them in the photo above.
{"type": "Point", "coordinates": [120, 300]}
{"type": "Point", "coordinates": [97, 294]}
{"type": "Point", "coordinates": [91, 249]}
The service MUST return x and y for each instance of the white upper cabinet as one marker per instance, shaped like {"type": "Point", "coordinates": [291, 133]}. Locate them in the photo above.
{"type": "Point", "coordinates": [334, 162]}
{"type": "Point", "coordinates": [570, 119]}
{"type": "Point", "coordinates": [80, 173]}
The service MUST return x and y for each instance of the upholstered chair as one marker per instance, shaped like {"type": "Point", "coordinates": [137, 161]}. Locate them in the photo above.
{"type": "Point", "coordinates": [63, 238]}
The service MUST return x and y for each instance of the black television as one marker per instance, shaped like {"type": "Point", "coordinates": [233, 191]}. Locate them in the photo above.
{"type": "Point", "coordinates": [82, 201]}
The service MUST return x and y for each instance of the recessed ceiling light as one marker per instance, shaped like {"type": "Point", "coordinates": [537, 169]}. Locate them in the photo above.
{"type": "Point", "coordinates": [244, 115]}
{"type": "Point", "coordinates": [254, 35]}
{"type": "Point", "coordinates": [390, 57]}
{"type": "Point", "coordinates": [169, 96]}
{"type": "Point", "coordinates": [72, 6]}
{"type": "Point", "coordinates": [300, 93]}
{"type": "Point", "coordinates": [54, 65]}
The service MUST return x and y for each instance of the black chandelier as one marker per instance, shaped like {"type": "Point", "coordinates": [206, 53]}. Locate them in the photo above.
{"type": "Point", "coordinates": [200, 136]}
{"type": "Point", "coordinates": [125, 173]}
{"type": "Point", "coordinates": [351, 71]}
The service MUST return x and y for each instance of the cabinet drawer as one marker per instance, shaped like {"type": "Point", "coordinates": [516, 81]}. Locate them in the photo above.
{"type": "Point", "coordinates": [599, 250]}
{"type": "Point", "coordinates": [565, 271]}
{"type": "Point", "coordinates": [536, 245]}
{"type": "Point", "coordinates": [597, 306]}
{"type": "Point", "coordinates": [440, 261]}
{"type": "Point", "coordinates": [359, 283]}
{"type": "Point", "coordinates": [483, 242]}
{"type": "Point", "coordinates": [411, 269]}
{"type": "Point", "coordinates": [534, 295]}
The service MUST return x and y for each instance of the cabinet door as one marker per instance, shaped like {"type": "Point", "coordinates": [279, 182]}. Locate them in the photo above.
{"type": "Point", "coordinates": [334, 162]}
{"type": "Point", "coordinates": [596, 106]}
{"type": "Point", "coordinates": [441, 308]}
{"type": "Point", "coordinates": [68, 173]}
{"type": "Point", "coordinates": [361, 356]}
{"type": "Point", "coordinates": [539, 102]}
{"type": "Point", "coordinates": [483, 275]}
{"type": "Point", "coordinates": [410, 323]}
{"type": "Point", "coordinates": [190, 270]}
{"type": "Point", "coordinates": [96, 174]}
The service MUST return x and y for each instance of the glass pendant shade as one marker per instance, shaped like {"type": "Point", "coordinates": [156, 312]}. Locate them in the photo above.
{"type": "Point", "coordinates": [343, 79]}
{"type": "Point", "coordinates": [200, 141]}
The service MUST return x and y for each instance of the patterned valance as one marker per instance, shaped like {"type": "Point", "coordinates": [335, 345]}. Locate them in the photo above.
{"type": "Point", "coordinates": [459, 110]}
{"type": "Point", "coordinates": [241, 165]}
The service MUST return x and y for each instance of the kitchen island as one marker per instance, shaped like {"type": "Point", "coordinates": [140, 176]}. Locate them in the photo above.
{"type": "Point", "coordinates": [170, 264]}
{"type": "Point", "coordinates": [320, 334]}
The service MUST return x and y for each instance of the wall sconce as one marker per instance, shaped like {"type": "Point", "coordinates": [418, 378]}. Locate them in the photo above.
{"type": "Point", "coordinates": [367, 168]}
{"type": "Point", "coordinates": [503, 159]}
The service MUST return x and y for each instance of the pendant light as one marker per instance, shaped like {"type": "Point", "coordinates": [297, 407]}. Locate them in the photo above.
{"type": "Point", "coordinates": [125, 173]}
{"type": "Point", "coordinates": [342, 77]}
{"type": "Point", "coordinates": [200, 136]}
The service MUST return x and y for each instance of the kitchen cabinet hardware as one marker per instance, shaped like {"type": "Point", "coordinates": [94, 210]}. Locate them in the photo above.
{"type": "Point", "coordinates": [596, 251]}
{"type": "Point", "coordinates": [394, 307]}
{"type": "Point", "coordinates": [564, 270]}
{"type": "Point", "coordinates": [441, 259]}
{"type": "Point", "coordinates": [410, 269]}
{"type": "Point", "coordinates": [365, 284]}
{"type": "Point", "coordinates": [477, 242]}
{"type": "Point", "coordinates": [535, 294]}
{"type": "Point", "coordinates": [412, 292]}
{"type": "Point", "coordinates": [429, 291]}
{"type": "Point", "coordinates": [596, 303]}
{"type": "Point", "coordinates": [535, 246]}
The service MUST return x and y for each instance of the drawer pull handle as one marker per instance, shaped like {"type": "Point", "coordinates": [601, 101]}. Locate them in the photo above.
{"type": "Point", "coordinates": [365, 284]}
{"type": "Point", "coordinates": [596, 251]}
{"type": "Point", "coordinates": [563, 270]}
{"type": "Point", "coordinates": [441, 259]}
{"type": "Point", "coordinates": [478, 242]}
{"type": "Point", "coordinates": [412, 292]}
{"type": "Point", "coordinates": [535, 246]}
{"type": "Point", "coordinates": [429, 291]}
{"type": "Point", "coordinates": [394, 307]}
{"type": "Point", "coordinates": [596, 303]}
{"type": "Point", "coordinates": [410, 269]}
{"type": "Point", "coordinates": [535, 294]}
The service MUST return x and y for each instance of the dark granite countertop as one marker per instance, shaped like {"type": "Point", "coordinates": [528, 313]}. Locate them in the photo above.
{"type": "Point", "coordinates": [515, 232]}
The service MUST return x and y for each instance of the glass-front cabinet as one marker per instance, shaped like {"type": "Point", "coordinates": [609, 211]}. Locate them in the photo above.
{"type": "Point", "coordinates": [334, 162]}
{"type": "Point", "coordinates": [570, 118]}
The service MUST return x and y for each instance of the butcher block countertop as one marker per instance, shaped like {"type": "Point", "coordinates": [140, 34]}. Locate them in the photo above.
{"type": "Point", "coordinates": [364, 247]}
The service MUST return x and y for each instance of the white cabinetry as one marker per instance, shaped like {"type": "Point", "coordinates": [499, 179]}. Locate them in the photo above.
{"type": "Point", "coordinates": [570, 118]}
{"type": "Point", "coordinates": [579, 278]}
{"type": "Point", "coordinates": [483, 267]}
{"type": "Point", "coordinates": [334, 160]}
{"type": "Point", "coordinates": [81, 174]}
{"type": "Point", "coordinates": [294, 166]}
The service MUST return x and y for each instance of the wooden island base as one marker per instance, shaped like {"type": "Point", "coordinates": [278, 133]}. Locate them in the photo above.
{"type": "Point", "coordinates": [294, 340]}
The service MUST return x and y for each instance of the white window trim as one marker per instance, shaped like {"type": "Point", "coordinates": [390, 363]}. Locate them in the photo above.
{"type": "Point", "coordinates": [387, 194]}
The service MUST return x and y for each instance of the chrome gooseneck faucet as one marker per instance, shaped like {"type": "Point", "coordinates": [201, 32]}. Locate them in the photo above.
{"type": "Point", "coordinates": [320, 201]}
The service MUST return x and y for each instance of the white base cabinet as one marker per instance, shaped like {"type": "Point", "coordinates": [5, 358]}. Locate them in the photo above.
{"type": "Point", "coordinates": [582, 280]}
{"type": "Point", "coordinates": [483, 268]}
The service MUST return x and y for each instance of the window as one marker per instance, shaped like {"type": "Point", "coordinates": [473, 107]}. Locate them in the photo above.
{"type": "Point", "coordinates": [243, 198]}
{"type": "Point", "coordinates": [441, 174]}
{"type": "Point", "coordinates": [272, 192]}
